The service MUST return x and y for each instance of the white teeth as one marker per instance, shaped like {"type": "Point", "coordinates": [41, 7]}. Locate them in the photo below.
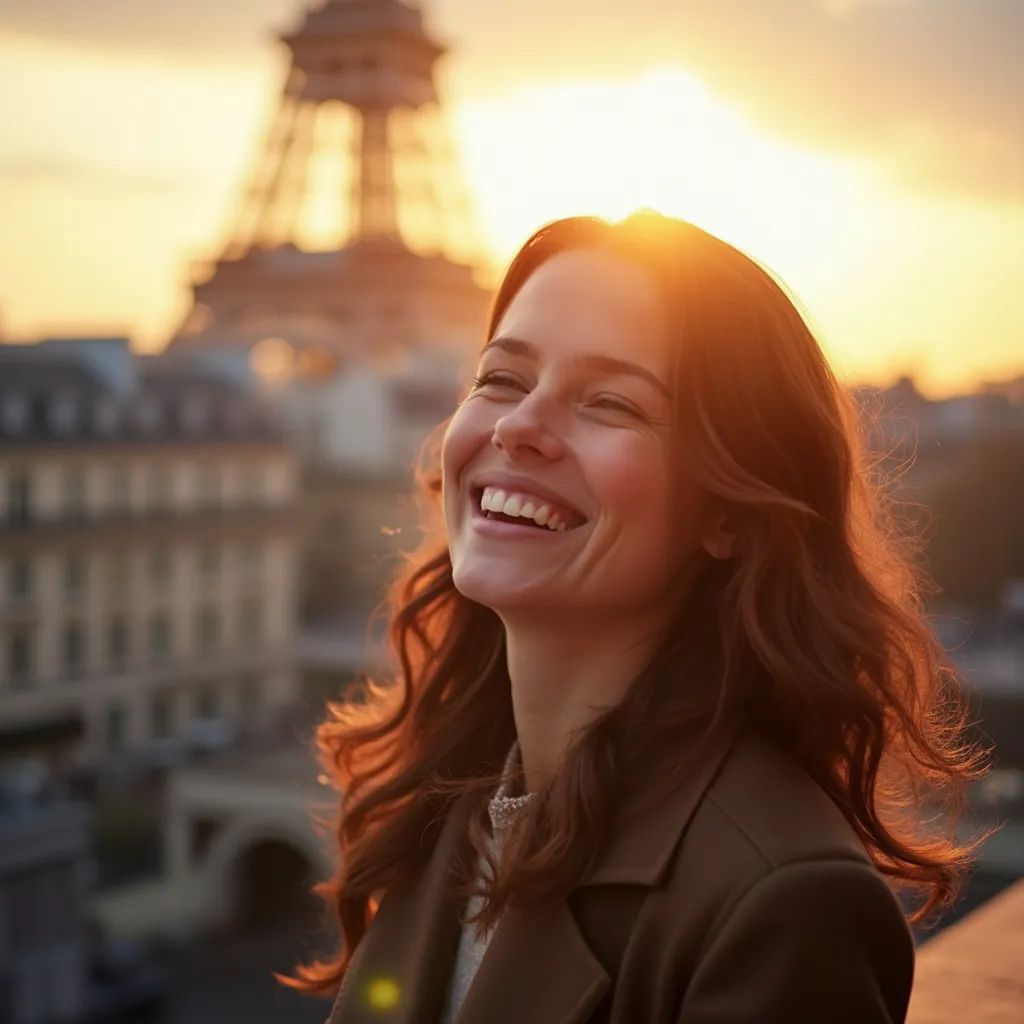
{"type": "Point", "coordinates": [494, 499]}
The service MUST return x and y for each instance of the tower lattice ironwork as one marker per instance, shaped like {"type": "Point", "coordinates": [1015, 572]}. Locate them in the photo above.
{"type": "Point", "coordinates": [355, 229]}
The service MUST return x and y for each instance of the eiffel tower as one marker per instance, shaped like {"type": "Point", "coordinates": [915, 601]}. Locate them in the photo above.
{"type": "Point", "coordinates": [394, 262]}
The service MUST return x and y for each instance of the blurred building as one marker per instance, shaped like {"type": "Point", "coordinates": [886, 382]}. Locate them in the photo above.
{"type": "Point", "coordinates": [46, 875]}
{"type": "Point", "coordinates": [147, 551]}
{"type": "Point", "coordinates": [956, 463]}
{"type": "Point", "coordinates": [369, 419]}
{"type": "Point", "coordinates": [933, 437]}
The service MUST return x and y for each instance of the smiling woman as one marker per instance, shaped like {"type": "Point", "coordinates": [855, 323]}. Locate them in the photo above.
{"type": "Point", "coordinates": [665, 760]}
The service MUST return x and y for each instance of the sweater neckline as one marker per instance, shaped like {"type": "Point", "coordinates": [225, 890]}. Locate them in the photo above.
{"type": "Point", "coordinates": [503, 807]}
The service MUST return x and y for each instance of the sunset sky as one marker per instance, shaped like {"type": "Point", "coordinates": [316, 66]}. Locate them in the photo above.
{"type": "Point", "coordinates": [870, 152]}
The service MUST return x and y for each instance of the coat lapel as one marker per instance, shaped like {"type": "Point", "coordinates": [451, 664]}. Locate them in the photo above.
{"type": "Point", "coordinates": [538, 966]}
{"type": "Point", "coordinates": [403, 963]}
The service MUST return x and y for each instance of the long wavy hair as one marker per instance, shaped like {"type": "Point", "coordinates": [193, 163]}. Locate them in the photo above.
{"type": "Point", "coordinates": [813, 632]}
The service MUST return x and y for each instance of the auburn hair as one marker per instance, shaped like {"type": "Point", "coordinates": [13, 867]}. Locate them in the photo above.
{"type": "Point", "coordinates": [813, 632]}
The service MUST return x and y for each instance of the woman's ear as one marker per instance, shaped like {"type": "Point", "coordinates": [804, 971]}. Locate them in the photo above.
{"type": "Point", "coordinates": [719, 539]}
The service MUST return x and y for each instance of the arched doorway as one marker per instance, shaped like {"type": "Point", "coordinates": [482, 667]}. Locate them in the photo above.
{"type": "Point", "coordinates": [272, 882]}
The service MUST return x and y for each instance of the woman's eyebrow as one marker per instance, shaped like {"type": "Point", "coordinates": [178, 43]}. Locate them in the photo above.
{"type": "Point", "coordinates": [610, 364]}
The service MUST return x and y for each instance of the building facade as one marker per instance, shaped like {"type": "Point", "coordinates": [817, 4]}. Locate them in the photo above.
{"type": "Point", "coordinates": [147, 550]}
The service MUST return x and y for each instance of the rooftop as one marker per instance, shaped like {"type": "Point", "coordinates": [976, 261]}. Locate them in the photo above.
{"type": "Point", "coordinates": [96, 390]}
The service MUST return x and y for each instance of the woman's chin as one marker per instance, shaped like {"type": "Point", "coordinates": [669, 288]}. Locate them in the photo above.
{"type": "Point", "coordinates": [504, 595]}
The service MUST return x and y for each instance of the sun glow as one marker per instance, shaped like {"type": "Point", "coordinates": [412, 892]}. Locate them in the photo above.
{"type": "Point", "coordinates": [660, 140]}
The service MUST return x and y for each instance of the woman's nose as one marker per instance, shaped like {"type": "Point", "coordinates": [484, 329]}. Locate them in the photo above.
{"type": "Point", "coordinates": [527, 426]}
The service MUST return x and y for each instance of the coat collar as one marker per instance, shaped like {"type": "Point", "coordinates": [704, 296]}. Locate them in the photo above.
{"type": "Point", "coordinates": [538, 967]}
{"type": "Point", "coordinates": [659, 800]}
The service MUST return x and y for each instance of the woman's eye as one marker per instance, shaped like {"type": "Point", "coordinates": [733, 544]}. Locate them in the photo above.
{"type": "Point", "coordinates": [619, 406]}
{"type": "Point", "coordinates": [494, 378]}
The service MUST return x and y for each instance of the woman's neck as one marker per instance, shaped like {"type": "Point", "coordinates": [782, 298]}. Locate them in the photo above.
{"type": "Point", "coordinates": [562, 678]}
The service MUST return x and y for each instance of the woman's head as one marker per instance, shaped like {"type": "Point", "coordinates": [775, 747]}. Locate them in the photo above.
{"type": "Point", "coordinates": [571, 412]}
{"type": "Point", "coordinates": [716, 486]}
{"type": "Point", "coordinates": [662, 386]}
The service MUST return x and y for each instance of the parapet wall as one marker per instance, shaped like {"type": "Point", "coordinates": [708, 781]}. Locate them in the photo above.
{"type": "Point", "coordinates": [973, 971]}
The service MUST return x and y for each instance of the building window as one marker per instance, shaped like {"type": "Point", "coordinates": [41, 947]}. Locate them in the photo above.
{"type": "Point", "coordinates": [236, 416]}
{"type": "Point", "coordinates": [119, 573]}
{"type": "Point", "coordinates": [63, 414]}
{"type": "Point", "coordinates": [193, 414]}
{"type": "Point", "coordinates": [160, 489]}
{"type": "Point", "coordinates": [74, 649]}
{"type": "Point", "coordinates": [207, 701]}
{"type": "Point", "coordinates": [250, 486]}
{"type": "Point", "coordinates": [14, 413]}
{"type": "Point", "coordinates": [161, 568]}
{"type": "Point", "coordinates": [105, 416]}
{"type": "Point", "coordinates": [21, 579]}
{"type": "Point", "coordinates": [209, 561]}
{"type": "Point", "coordinates": [250, 695]}
{"type": "Point", "coordinates": [209, 629]}
{"type": "Point", "coordinates": [75, 576]}
{"type": "Point", "coordinates": [149, 414]}
{"type": "Point", "coordinates": [20, 658]}
{"type": "Point", "coordinates": [117, 726]}
{"type": "Point", "coordinates": [120, 490]}
{"type": "Point", "coordinates": [161, 716]}
{"type": "Point", "coordinates": [250, 561]}
{"type": "Point", "coordinates": [209, 487]}
{"type": "Point", "coordinates": [250, 619]}
{"type": "Point", "coordinates": [19, 498]}
{"type": "Point", "coordinates": [160, 636]}
{"type": "Point", "coordinates": [74, 493]}
{"type": "Point", "coordinates": [117, 642]}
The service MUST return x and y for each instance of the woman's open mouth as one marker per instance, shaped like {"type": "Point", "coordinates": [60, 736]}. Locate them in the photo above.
{"type": "Point", "coordinates": [521, 511]}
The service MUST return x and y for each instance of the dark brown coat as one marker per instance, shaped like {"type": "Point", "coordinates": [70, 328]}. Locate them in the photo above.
{"type": "Point", "coordinates": [760, 905]}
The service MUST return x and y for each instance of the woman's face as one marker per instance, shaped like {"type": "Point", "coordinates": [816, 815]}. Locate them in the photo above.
{"type": "Point", "coordinates": [558, 422]}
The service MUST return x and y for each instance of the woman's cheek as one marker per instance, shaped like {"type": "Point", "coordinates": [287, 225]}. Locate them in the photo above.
{"type": "Point", "coordinates": [630, 475]}
{"type": "Point", "coordinates": [462, 435]}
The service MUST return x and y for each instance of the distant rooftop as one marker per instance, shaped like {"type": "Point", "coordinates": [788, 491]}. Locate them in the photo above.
{"type": "Point", "coordinates": [900, 414]}
{"type": "Point", "coordinates": [96, 389]}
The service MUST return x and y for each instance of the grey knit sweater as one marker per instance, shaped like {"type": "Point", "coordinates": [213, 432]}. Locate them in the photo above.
{"type": "Point", "coordinates": [503, 807]}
